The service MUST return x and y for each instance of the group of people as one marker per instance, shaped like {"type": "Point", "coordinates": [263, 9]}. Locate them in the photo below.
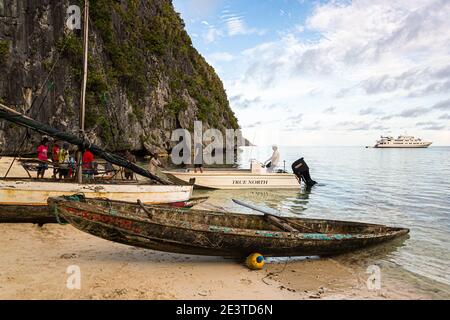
{"type": "Point", "coordinates": [64, 163]}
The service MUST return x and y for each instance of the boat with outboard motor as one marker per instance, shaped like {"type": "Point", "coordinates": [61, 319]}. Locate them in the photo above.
{"type": "Point", "coordinates": [256, 177]}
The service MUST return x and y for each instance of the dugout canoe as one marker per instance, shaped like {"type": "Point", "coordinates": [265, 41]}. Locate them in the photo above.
{"type": "Point", "coordinates": [217, 233]}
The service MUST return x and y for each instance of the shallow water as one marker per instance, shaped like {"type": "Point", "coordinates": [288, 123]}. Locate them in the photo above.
{"type": "Point", "coordinates": [399, 187]}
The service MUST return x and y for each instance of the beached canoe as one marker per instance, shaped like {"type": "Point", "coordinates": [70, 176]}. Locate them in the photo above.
{"type": "Point", "coordinates": [217, 233]}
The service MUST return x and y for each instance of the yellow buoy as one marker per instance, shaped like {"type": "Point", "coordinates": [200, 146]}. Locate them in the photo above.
{"type": "Point", "coordinates": [255, 261]}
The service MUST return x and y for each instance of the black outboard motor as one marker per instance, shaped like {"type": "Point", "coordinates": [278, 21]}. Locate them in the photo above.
{"type": "Point", "coordinates": [301, 170]}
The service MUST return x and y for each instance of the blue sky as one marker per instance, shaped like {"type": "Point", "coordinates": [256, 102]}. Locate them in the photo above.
{"type": "Point", "coordinates": [301, 72]}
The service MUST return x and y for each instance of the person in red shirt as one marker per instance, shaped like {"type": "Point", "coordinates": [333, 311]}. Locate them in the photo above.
{"type": "Point", "coordinates": [88, 159]}
{"type": "Point", "coordinates": [55, 158]}
{"type": "Point", "coordinates": [89, 167]}
{"type": "Point", "coordinates": [42, 152]}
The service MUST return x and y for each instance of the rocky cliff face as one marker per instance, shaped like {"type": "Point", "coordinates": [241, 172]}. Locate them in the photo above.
{"type": "Point", "coordinates": [145, 77]}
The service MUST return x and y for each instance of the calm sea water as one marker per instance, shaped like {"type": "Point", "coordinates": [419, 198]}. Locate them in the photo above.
{"type": "Point", "coordinates": [399, 187]}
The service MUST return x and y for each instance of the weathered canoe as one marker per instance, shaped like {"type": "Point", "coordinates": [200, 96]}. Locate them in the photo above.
{"type": "Point", "coordinates": [216, 233]}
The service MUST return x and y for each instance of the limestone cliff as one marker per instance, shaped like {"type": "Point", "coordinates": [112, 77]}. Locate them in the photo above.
{"type": "Point", "coordinates": [145, 77]}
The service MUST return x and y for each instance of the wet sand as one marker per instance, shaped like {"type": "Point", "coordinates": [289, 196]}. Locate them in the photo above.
{"type": "Point", "coordinates": [34, 261]}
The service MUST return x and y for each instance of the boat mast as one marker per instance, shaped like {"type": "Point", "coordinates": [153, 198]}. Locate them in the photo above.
{"type": "Point", "coordinates": [83, 86]}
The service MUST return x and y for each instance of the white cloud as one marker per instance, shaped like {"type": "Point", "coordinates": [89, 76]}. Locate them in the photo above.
{"type": "Point", "coordinates": [212, 34]}
{"type": "Point", "coordinates": [231, 25]}
{"type": "Point", "coordinates": [352, 56]}
{"type": "Point", "coordinates": [235, 25]}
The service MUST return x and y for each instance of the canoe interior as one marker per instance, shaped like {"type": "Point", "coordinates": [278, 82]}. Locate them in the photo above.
{"type": "Point", "coordinates": [236, 220]}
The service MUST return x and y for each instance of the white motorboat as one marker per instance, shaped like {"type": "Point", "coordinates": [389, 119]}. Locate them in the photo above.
{"type": "Point", "coordinates": [256, 177]}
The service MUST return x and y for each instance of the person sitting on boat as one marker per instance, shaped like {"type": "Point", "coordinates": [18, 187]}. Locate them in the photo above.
{"type": "Point", "coordinates": [129, 175]}
{"type": "Point", "coordinates": [154, 164]}
{"type": "Point", "coordinates": [273, 161]}
{"type": "Point", "coordinates": [55, 155]}
{"type": "Point", "coordinates": [63, 160]}
{"type": "Point", "coordinates": [42, 152]}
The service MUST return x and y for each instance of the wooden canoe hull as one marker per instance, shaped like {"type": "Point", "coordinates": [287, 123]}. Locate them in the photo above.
{"type": "Point", "coordinates": [218, 234]}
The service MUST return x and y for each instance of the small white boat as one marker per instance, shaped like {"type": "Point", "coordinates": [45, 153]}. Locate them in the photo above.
{"type": "Point", "coordinates": [254, 178]}
{"type": "Point", "coordinates": [35, 193]}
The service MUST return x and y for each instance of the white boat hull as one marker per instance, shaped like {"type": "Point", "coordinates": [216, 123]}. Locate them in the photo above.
{"type": "Point", "coordinates": [238, 179]}
{"type": "Point", "coordinates": [35, 193]}
{"type": "Point", "coordinates": [392, 146]}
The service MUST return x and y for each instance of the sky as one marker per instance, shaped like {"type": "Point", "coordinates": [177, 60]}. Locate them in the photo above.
{"type": "Point", "coordinates": [329, 73]}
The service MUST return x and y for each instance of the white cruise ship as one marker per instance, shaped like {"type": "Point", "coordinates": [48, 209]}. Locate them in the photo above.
{"type": "Point", "coordinates": [402, 142]}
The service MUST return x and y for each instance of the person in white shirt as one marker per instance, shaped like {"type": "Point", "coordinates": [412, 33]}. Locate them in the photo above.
{"type": "Point", "coordinates": [274, 160]}
{"type": "Point", "coordinates": [154, 164]}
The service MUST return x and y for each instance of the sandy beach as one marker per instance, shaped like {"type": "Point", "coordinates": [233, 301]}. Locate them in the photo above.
{"type": "Point", "coordinates": [15, 169]}
{"type": "Point", "coordinates": [34, 262]}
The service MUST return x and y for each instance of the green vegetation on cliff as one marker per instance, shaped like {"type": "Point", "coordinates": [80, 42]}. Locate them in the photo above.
{"type": "Point", "coordinates": [4, 50]}
{"type": "Point", "coordinates": [144, 43]}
